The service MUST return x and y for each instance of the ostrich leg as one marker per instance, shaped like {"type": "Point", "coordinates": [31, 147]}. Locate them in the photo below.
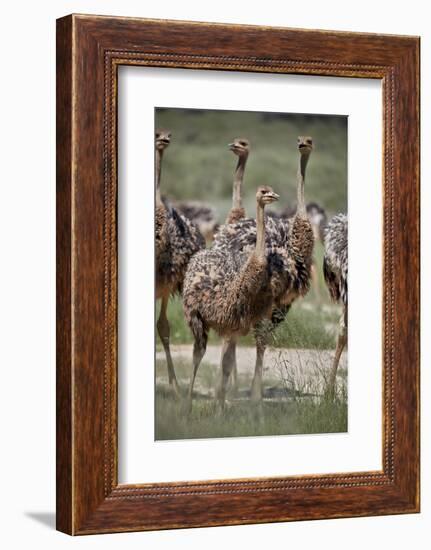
{"type": "Point", "coordinates": [342, 340]}
{"type": "Point", "coordinates": [234, 375]}
{"type": "Point", "coordinates": [261, 333]}
{"type": "Point", "coordinates": [227, 363]}
{"type": "Point", "coordinates": [233, 381]}
{"type": "Point", "coordinates": [256, 386]}
{"type": "Point", "coordinates": [199, 348]}
{"type": "Point", "coordinates": [164, 332]}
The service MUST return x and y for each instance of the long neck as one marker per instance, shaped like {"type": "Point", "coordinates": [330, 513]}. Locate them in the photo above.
{"type": "Point", "coordinates": [159, 155]}
{"type": "Point", "coordinates": [237, 182]}
{"type": "Point", "coordinates": [259, 251]}
{"type": "Point", "coordinates": [301, 209]}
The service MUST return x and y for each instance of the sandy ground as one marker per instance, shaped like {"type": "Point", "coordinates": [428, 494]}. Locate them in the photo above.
{"type": "Point", "coordinates": [303, 371]}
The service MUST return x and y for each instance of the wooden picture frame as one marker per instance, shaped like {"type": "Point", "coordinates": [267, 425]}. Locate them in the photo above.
{"type": "Point", "coordinates": [89, 51]}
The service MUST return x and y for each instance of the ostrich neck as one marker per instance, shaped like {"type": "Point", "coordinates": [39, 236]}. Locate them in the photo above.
{"type": "Point", "coordinates": [301, 209]}
{"type": "Point", "coordinates": [159, 155]}
{"type": "Point", "coordinates": [237, 182]}
{"type": "Point", "coordinates": [259, 251]}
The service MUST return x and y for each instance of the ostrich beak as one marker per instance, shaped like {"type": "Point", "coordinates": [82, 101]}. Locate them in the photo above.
{"type": "Point", "coordinates": [274, 196]}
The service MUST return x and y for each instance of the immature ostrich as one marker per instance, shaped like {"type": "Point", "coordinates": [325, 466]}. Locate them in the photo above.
{"type": "Point", "coordinates": [300, 249]}
{"type": "Point", "coordinates": [202, 215]}
{"type": "Point", "coordinates": [176, 240]}
{"type": "Point", "coordinates": [335, 270]}
{"type": "Point", "coordinates": [228, 292]}
{"type": "Point", "coordinates": [291, 244]}
{"type": "Point", "coordinates": [241, 148]}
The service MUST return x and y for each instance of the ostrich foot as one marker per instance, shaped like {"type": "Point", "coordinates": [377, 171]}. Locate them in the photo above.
{"type": "Point", "coordinates": [221, 399]}
{"type": "Point", "coordinates": [329, 393]}
{"type": "Point", "coordinates": [256, 390]}
{"type": "Point", "coordinates": [174, 386]}
{"type": "Point", "coordinates": [233, 388]}
{"type": "Point", "coordinates": [223, 407]}
{"type": "Point", "coordinates": [187, 405]}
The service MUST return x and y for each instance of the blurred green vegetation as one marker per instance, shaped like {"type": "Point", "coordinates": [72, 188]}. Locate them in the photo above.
{"type": "Point", "coordinates": [199, 166]}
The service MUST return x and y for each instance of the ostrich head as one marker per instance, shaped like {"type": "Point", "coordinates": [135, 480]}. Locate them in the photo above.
{"type": "Point", "coordinates": [240, 146]}
{"type": "Point", "coordinates": [266, 195]}
{"type": "Point", "coordinates": [163, 139]}
{"type": "Point", "coordinates": [305, 145]}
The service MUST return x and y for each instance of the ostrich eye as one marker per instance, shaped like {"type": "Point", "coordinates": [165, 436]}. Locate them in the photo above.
{"type": "Point", "coordinates": [309, 141]}
{"type": "Point", "coordinates": [243, 143]}
{"type": "Point", "coordinates": [157, 134]}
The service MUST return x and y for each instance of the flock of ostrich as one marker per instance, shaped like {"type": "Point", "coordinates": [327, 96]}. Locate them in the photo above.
{"type": "Point", "coordinates": [243, 275]}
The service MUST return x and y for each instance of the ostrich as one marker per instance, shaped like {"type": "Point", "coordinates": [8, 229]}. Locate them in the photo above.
{"type": "Point", "coordinates": [228, 292]}
{"type": "Point", "coordinates": [201, 214]}
{"type": "Point", "coordinates": [335, 270]}
{"type": "Point", "coordinates": [241, 148]}
{"type": "Point", "coordinates": [291, 244]}
{"type": "Point", "coordinates": [176, 240]}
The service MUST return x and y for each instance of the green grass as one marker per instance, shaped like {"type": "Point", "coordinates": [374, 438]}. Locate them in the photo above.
{"type": "Point", "coordinates": [303, 409]}
{"type": "Point", "coordinates": [247, 419]}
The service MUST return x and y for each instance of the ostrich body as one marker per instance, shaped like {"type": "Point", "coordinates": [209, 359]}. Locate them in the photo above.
{"type": "Point", "coordinates": [318, 219]}
{"type": "Point", "coordinates": [229, 292]}
{"type": "Point", "coordinates": [203, 216]}
{"type": "Point", "coordinates": [176, 240]}
{"type": "Point", "coordinates": [241, 148]}
{"type": "Point", "coordinates": [316, 214]}
{"type": "Point", "coordinates": [335, 270]}
{"type": "Point", "coordinates": [290, 242]}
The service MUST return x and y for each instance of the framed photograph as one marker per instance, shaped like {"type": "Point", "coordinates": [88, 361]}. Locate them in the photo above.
{"type": "Point", "coordinates": [237, 274]}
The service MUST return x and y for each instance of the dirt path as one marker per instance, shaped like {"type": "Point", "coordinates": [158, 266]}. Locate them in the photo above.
{"type": "Point", "coordinates": [302, 370]}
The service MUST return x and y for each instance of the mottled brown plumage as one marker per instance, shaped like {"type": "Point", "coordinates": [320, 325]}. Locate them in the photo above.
{"type": "Point", "coordinates": [316, 214]}
{"type": "Point", "coordinates": [176, 240]}
{"type": "Point", "coordinates": [202, 215]}
{"type": "Point", "coordinates": [335, 261]}
{"type": "Point", "coordinates": [161, 232]}
{"type": "Point", "coordinates": [229, 291]}
{"type": "Point", "coordinates": [235, 215]}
